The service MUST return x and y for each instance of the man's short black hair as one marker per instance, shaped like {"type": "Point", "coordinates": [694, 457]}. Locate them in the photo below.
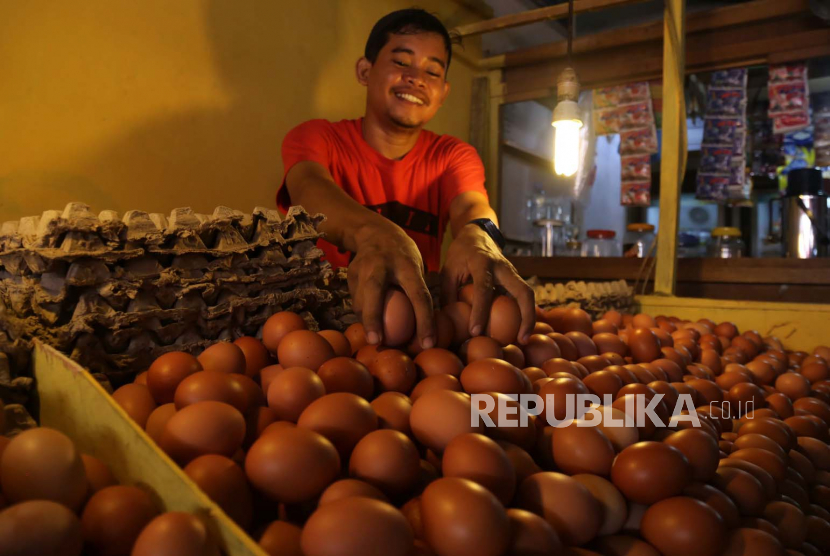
{"type": "Point", "coordinates": [406, 22]}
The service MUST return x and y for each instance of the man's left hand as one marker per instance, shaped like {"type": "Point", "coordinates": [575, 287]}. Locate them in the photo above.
{"type": "Point", "coordinates": [474, 255]}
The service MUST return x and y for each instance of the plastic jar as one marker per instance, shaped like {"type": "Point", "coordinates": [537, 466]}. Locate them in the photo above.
{"type": "Point", "coordinates": [688, 246]}
{"type": "Point", "coordinates": [639, 239]}
{"type": "Point", "coordinates": [600, 243]}
{"type": "Point", "coordinates": [726, 243]}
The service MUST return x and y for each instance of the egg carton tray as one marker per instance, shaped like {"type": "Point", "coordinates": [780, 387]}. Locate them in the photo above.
{"type": "Point", "coordinates": [52, 301]}
{"type": "Point", "coordinates": [596, 298]}
{"type": "Point", "coordinates": [31, 244]}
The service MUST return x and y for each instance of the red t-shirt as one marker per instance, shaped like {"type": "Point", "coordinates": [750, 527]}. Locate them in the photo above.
{"type": "Point", "coordinates": [414, 192]}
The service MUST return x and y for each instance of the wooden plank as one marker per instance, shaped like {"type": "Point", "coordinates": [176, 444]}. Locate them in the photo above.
{"type": "Point", "coordinates": [74, 403]}
{"type": "Point", "coordinates": [493, 168]}
{"type": "Point", "coordinates": [673, 157]}
{"type": "Point", "coordinates": [718, 18]}
{"type": "Point", "coordinates": [800, 326]}
{"type": "Point", "coordinates": [559, 11]}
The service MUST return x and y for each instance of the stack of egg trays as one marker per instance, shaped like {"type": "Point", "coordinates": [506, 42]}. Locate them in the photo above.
{"type": "Point", "coordinates": [596, 298]}
{"type": "Point", "coordinates": [115, 293]}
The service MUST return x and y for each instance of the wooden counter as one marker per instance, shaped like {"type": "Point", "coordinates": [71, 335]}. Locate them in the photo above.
{"type": "Point", "coordinates": [785, 280]}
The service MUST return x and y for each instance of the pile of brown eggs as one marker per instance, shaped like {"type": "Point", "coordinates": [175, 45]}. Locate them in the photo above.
{"type": "Point", "coordinates": [55, 501]}
{"type": "Point", "coordinates": [319, 444]}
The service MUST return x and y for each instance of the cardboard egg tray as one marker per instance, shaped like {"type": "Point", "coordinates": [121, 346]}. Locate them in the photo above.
{"type": "Point", "coordinates": [596, 298]}
{"type": "Point", "coordinates": [115, 292]}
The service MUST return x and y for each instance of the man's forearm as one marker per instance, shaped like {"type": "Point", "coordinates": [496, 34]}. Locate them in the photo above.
{"type": "Point", "coordinates": [469, 207]}
{"type": "Point", "coordinates": [346, 219]}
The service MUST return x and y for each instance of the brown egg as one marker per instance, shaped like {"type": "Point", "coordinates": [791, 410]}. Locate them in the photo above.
{"type": "Point", "coordinates": [256, 421]}
{"type": "Point", "coordinates": [225, 483]}
{"type": "Point", "coordinates": [557, 392]}
{"type": "Point", "coordinates": [439, 416]}
{"type": "Point", "coordinates": [223, 357]}
{"type": "Point", "coordinates": [136, 400]}
{"type": "Point", "coordinates": [40, 527]}
{"type": "Point", "coordinates": [97, 473]}
{"type": "Point", "coordinates": [43, 464]}
{"type": "Point", "coordinates": [344, 374]}
{"type": "Point", "coordinates": [585, 346]}
{"type": "Point", "coordinates": [256, 355]}
{"type": "Point", "coordinates": [542, 328]}
{"type": "Point", "coordinates": [481, 460]}
{"type": "Point", "coordinates": [790, 522]}
{"type": "Point", "coordinates": [342, 418]}
{"type": "Point", "coordinates": [618, 428]}
{"type": "Point", "coordinates": [292, 464]}
{"type": "Point", "coordinates": [398, 318]}
{"type": "Point", "coordinates": [814, 371]}
{"type": "Point", "coordinates": [559, 365]}
{"type": "Point", "coordinates": [726, 329]}
{"type": "Point", "coordinates": [278, 326]}
{"type": "Point", "coordinates": [157, 420]}
{"type": "Point", "coordinates": [356, 525]}
{"type": "Point", "coordinates": [763, 372]}
{"type": "Point", "coordinates": [522, 461]}
{"type": "Point", "coordinates": [480, 347]}
{"type": "Point", "coordinates": [281, 538]}
{"type": "Point", "coordinates": [175, 534]}
{"type": "Point", "coordinates": [802, 464]}
{"type": "Point", "coordinates": [492, 375]}
{"type": "Point", "coordinates": [303, 348]}
{"type": "Point", "coordinates": [642, 320]}
{"type": "Point", "coordinates": [462, 518]}
{"type": "Point", "coordinates": [614, 506]}
{"type": "Point", "coordinates": [581, 448]}
{"type": "Point", "coordinates": [438, 361]}
{"type": "Point", "coordinates": [566, 504]}
{"type": "Point", "coordinates": [393, 371]}
{"type": "Point", "coordinates": [818, 533]}
{"type": "Point", "coordinates": [292, 391]}
{"type": "Point", "coordinates": [539, 349]}
{"type": "Point", "coordinates": [700, 449]}
{"type": "Point", "coordinates": [614, 317]}
{"type": "Point", "coordinates": [211, 386]}
{"type": "Point", "coordinates": [603, 383]}
{"type": "Point", "coordinates": [356, 335]}
{"type": "Point", "coordinates": [745, 396]}
{"type": "Point", "coordinates": [762, 442]}
{"type": "Point", "coordinates": [608, 342]}
{"type": "Point", "coordinates": [459, 314]}
{"type": "Point", "coordinates": [593, 363]}
{"type": "Point", "coordinates": [603, 326]}
{"type": "Point", "coordinates": [141, 378]}
{"type": "Point", "coordinates": [268, 374]}
{"type": "Point", "coordinates": [742, 487]}
{"type": "Point", "coordinates": [682, 525]}
{"type": "Point", "coordinates": [647, 472]}
{"type": "Point", "coordinates": [444, 382]}
{"type": "Point", "coordinates": [515, 356]}
{"type": "Point", "coordinates": [114, 517]}
{"type": "Point", "coordinates": [530, 534]}
{"type": "Point", "coordinates": [445, 330]}
{"type": "Point", "coordinates": [576, 320]}
{"type": "Point", "coordinates": [393, 409]}
{"type": "Point", "coordinates": [345, 488]}
{"type": "Point", "coordinates": [511, 421]}
{"type": "Point", "coordinates": [566, 346]}
{"type": "Point", "coordinates": [753, 542]}
{"type": "Point", "coordinates": [644, 345]}
{"type": "Point", "coordinates": [773, 428]}
{"type": "Point", "coordinates": [814, 406]}
{"type": "Point", "coordinates": [717, 500]}
{"type": "Point", "coordinates": [802, 425]}
{"type": "Point", "coordinates": [388, 460]}
{"type": "Point", "coordinates": [781, 404]}
{"type": "Point", "coordinates": [505, 320]}
{"type": "Point", "coordinates": [167, 372]}
{"type": "Point", "coordinates": [203, 428]}
{"type": "Point", "coordinates": [764, 459]}
{"type": "Point", "coordinates": [338, 342]}
{"type": "Point", "coordinates": [816, 451]}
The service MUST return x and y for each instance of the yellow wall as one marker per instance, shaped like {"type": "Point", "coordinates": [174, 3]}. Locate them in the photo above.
{"type": "Point", "coordinates": [159, 104]}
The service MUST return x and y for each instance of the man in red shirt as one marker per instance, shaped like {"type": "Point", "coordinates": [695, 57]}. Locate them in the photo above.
{"type": "Point", "coordinates": [389, 188]}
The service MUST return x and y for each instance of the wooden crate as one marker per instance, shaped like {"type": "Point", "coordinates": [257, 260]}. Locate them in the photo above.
{"type": "Point", "coordinates": [73, 402]}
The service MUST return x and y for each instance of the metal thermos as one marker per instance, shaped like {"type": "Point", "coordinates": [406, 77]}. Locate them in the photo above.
{"type": "Point", "coordinates": [805, 226]}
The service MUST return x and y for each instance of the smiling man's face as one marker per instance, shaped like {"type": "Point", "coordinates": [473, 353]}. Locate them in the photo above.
{"type": "Point", "coordinates": [407, 83]}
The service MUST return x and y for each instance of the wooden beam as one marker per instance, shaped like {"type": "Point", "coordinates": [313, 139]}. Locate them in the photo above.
{"type": "Point", "coordinates": [559, 11]}
{"type": "Point", "coordinates": [718, 18]}
{"type": "Point", "coordinates": [673, 151]}
{"type": "Point", "coordinates": [751, 44]}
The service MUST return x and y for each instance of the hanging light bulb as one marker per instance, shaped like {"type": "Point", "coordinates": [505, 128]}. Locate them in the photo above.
{"type": "Point", "coordinates": [566, 120]}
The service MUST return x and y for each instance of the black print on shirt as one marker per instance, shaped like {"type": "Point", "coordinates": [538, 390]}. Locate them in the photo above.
{"type": "Point", "coordinates": [408, 218]}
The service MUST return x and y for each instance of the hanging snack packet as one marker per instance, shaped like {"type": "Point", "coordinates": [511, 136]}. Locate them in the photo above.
{"type": "Point", "coordinates": [634, 92]}
{"type": "Point", "coordinates": [636, 167]}
{"type": "Point", "coordinates": [721, 131]}
{"type": "Point", "coordinates": [712, 187]}
{"type": "Point", "coordinates": [606, 121]}
{"type": "Point", "coordinates": [715, 160]}
{"type": "Point", "coordinates": [635, 193]}
{"type": "Point", "coordinates": [638, 141]}
{"type": "Point", "coordinates": [788, 97]}
{"type": "Point", "coordinates": [726, 102]}
{"type": "Point", "coordinates": [735, 77]}
{"type": "Point", "coordinates": [635, 115]}
{"type": "Point", "coordinates": [607, 97]}
{"type": "Point", "coordinates": [786, 123]}
{"type": "Point", "coordinates": [793, 72]}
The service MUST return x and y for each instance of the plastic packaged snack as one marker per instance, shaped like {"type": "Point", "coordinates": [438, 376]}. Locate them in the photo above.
{"type": "Point", "coordinates": [715, 160]}
{"type": "Point", "coordinates": [787, 123]}
{"type": "Point", "coordinates": [635, 193]}
{"type": "Point", "coordinates": [636, 167]}
{"type": "Point", "coordinates": [780, 74]}
{"type": "Point", "coordinates": [635, 115]}
{"type": "Point", "coordinates": [721, 131]}
{"type": "Point", "coordinates": [712, 187]}
{"type": "Point", "coordinates": [735, 77]}
{"type": "Point", "coordinates": [788, 97]}
{"type": "Point", "coordinates": [638, 141]}
{"type": "Point", "coordinates": [726, 102]}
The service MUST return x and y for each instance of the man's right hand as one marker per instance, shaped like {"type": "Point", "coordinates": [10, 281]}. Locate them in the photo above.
{"type": "Point", "coordinates": [385, 256]}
